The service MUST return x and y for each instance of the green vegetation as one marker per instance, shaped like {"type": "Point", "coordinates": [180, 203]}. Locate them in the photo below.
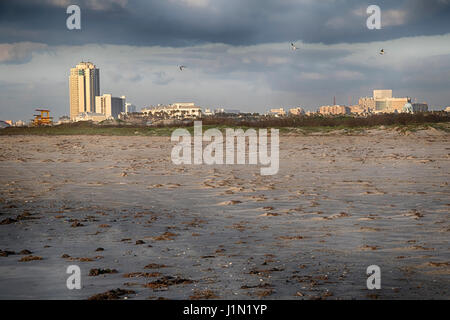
{"type": "Point", "coordinates": [300, 125]}
{"type": "Point", "coordinates": [87, 128]}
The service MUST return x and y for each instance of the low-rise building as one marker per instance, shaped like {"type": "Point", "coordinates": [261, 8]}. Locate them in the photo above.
{"type": "Point", "coordinates": [208, 112]}
{"type": "Point", "coordinates": [367, 104]}
{"type": "Point", "coordinates": [20, 123]}
{"type": "Point", "coordinates": [223, 110]}
{"type": "Point", "coordinates": [414, 107]}
{"type": "Point", "coordinates": [95, 117]}
{"type": "Point", "coordinates": [357, 109]}
{"type": "Point", "coordinates": [175, 111]}
{"type": "Point", "coordinates": [279, 112]}
{"type": "Point", "coordinates": [334, 110]}
{"type": "Point", "coordinates": [382, 101]}
{"type": "Point", "coordinates": [296, 111]}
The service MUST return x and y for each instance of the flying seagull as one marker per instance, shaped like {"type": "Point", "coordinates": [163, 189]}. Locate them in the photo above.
{"type": "Point", "coordinates": [293, 47]}
{"type": "Point", "coordinates": [382, 51]}
{"type": "Point", "coordinates": [182, 67]}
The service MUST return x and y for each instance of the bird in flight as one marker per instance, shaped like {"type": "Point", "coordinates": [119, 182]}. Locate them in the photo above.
{"type": "Point", "coordinates": [182, 67]}
{"type": "Point", "coordinates": [293, 46]}
{"type": "Point", "coordinates": [382, 51]}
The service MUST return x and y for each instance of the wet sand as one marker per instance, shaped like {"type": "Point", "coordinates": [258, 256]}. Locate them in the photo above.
{"type": "Point", "coordinates": [120, 210]}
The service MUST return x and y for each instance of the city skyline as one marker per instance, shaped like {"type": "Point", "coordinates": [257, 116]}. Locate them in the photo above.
{"type": "Point", "coordinates": [245, 71]}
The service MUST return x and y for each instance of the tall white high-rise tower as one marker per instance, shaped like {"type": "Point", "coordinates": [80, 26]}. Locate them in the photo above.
{"type": "Point", "coordinates": [84, 82]}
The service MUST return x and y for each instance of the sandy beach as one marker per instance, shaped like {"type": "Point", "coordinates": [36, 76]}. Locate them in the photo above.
{"type": "Point", "coordinates": [339, 204]}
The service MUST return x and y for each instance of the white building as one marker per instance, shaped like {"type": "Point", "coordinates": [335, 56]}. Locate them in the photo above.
{"type": "Point", "coordinates": [20, 123]}
{"type": "Point", "coordinates": [208, 112]}
{"type": "Point", "coordinates": [175, 111]}
{"type": "Point", "coordinates": [130, 108]}
{"type": "Point", "coordinates": [109, 106]}
{"type": "Point", "coordinates": [90, 116]}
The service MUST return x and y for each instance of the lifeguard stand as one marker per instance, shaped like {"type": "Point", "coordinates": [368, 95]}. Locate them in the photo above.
{"type": "Point", "coordinates": [42, 119]}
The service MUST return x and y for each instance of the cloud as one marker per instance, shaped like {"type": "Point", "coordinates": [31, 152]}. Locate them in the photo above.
{"type": "Point", "coordinates": [17, 53]}
{"type": "Point", "coordinates": [250, 78]}
{"type": "Point", "coordinates": [393, 17]}
{"type": "Point", "coordinates": [184, 23]}
{"type": "Point", "coordinates": [193, 3]}
{"type": "Point", "coordinates": [161, 78]}
{"type": "Point", "coordinates": [237, 52]}
{"type": "Point", "coordinates": [101, 5]}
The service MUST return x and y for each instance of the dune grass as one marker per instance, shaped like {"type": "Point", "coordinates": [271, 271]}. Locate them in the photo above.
{"type": "Point", "coordinates": [299, 125]}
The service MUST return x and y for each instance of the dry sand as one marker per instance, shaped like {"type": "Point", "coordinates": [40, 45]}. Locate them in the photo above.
{"type": "Point", "coordinates": [338, 204]}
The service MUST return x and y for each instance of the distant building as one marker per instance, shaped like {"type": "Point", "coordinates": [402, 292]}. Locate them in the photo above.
{"type": "Point", "coordinates": [447, 109]}
{"type": "Point", "coordinates": [390, 105]}
{"type": "Point", "coordinates": [382, 94]}
{"type": "Point", "coordinates": [175, 111]}
{"type": "Point", "coordinates": [20, 123]}
{"type": "Point", "coordinates": [296, 111]}
{"type": "Point", "coordinates": [367, 103]}
{"type": "Point", "coordinates": [415, 107]}
{"type": "Point", "coordinates": [208, 112]}
{"type": "Point", "coordinates": [130, 108]}
{"type": "Point", "coordinates": [109, 106]}
{"type": "Point", "coordinates": [222, 110]}
{"type": "Point", "coordinates": [84, 84]}
{"type": "Point", "coordinates": [277, 112]}
{"type": "Point", "coordinates": [89, 116]}
{"type": "Point", "coordinates": [383, 102]}
{"type": "Point", "coordinates": [63, 119]}
{"type": "Point", "coordinates": [334, 110]}
{"type": "Point", "coordinates": [357, 109]}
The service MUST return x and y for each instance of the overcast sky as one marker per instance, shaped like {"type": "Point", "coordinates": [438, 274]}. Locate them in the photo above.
{"type": "Point", "coordinates": [237, 52]}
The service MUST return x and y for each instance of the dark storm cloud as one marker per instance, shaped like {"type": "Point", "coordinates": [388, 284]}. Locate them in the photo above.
{"type": "Point", "coordinates": [181, 23]}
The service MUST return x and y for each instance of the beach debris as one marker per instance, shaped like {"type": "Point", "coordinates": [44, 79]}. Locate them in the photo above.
{"type": "Point", "coordinates": [96, 272]}
{"type": "Point", "coordinates": [5, 253]}
{"type": "Point", "coordinates": [114, 294]}
{"type": "Point", "coordinates": [142, 275]}
{"type": "Point", "coordinates": [8, 221]}
{"type": "Point", "coordinates": [203, 295]}
{"type": "Point", "coordinates": [167, 281]}
{"type": "Point", "coordinates": [30, 258]}
{"type": "Point", "coordinates": [155, 266]}
{"type": "Point", "coordinates": [165, 236]}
